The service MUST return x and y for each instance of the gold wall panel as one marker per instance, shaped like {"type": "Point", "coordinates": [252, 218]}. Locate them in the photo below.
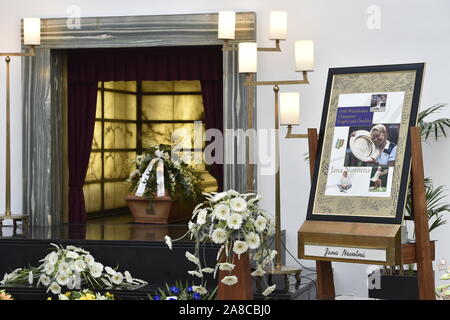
{"type": "Point", "coordinates": [120, 106]}
{"type": "Point", "coordinates": [157, 86]}
{"type": "Point", "coordinates": [94, 171]}
{"type": "Point", "coordinates": [187, 86]}
{"type": "Point", "coordinates": [188, 107]}
{"type": "Point", "coordinates": [156, 133]}
{"type": "Point", "coordinates": [92, 197]}
{"type": "Point", "coordinates": [120, 135]}
{"type": "Point", "coordinates": [115, 193]}
{"type": "Point", "coordinates": [157, 107]}
{"type": "Point", "coordinates": [118, 165]}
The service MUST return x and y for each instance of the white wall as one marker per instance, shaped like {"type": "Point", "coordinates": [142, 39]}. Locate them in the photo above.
{"type": "Point", "coordinates": [411, 31]}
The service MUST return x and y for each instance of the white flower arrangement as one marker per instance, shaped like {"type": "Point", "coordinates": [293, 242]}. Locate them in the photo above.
{"type": "Point", "coordinates": [174, 176]}
{"type": "Point", "coordinates": [70, 268]}
{"type": "Point", "coordinates": [235, 222]}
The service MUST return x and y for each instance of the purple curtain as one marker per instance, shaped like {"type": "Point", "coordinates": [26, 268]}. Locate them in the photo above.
{"type": "Point", "coordinates": [212, 94]}
{"type": "Point", "coordinates": [82, 100]}
{"type": "Point", "coordinates": [89, 66]}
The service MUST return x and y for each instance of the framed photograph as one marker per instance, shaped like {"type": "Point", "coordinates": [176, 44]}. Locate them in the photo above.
{"type": "Point", "coordinates": [363, 161]}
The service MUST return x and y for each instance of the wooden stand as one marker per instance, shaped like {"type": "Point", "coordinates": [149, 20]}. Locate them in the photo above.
{"type": "Point", "coordinates": [423, 251]}
{"type": "Point", "coordinates": [243, 289]}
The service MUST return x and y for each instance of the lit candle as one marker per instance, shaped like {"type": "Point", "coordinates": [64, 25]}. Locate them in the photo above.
{"type": "Point", "coordinates": [304, 55]}
{"type": "Point", "coordinates": [247, 57]}
{"type": "Point", "coordinates": [289, 108]}
{"type": "Point", "coordinates": [32, 31]}
{"type": "Point", "coordinates": [278, 25]}
{"type": "Point", "coordinates": [227, 21]}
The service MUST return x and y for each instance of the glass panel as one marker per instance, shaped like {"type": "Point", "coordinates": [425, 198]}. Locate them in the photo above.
{"type": "Point", "coordinates": [157, 86]}
{"type": "Point", "coordinates": [120, 106]}
{"type": "Point", "coordinates": [97, 139]}
{"type": "Point", "coordinates": [157, 107]}
{"type": "Point", "coordinates": [188, 107]}
{"type": "Point", "coordinates": [94, 171]}
{"type": "Point", "coordinates": [92, 197]}
{"type": "Point", "coordinates": [187, 86]}
{"type": "Point", "coordinates": [156, 133]}
{"type": "Point", "coordinates": [118, 164]}
{"type": "Point", "coordinates": [98, 110]}
{"type": "Point", "coordinates": [121, 85]}
{"type": "Point", "coordinates": [115, 193]}
{"type": "Point", "coordinates": [120, 135]}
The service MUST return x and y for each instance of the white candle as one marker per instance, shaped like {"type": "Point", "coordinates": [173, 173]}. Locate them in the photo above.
{"type": "Point", "coordinates": [247, 57]}
{"type": "Point", "coordinates": [32, 31]}
{"type": "Point", "coordinates": [304, 55]}
{"type": "Point", "coordinates": [278, 25]}
{"type": "Point", "coordinates": [227, 22]}
{"type": "Point", "coordinates": [289, 108]}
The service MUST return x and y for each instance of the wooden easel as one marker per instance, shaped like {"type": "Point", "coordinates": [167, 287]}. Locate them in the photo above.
{"type": "Point", "coordinates": [325, 281]}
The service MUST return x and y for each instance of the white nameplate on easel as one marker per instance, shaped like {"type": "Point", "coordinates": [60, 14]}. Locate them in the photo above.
{"type": "Point", "coordinates": [345, 253]}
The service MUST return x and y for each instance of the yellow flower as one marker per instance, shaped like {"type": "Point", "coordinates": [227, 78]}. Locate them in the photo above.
{"type": "Point", "coordinates": [109, 295]}
{"type": "Point", "coordinates": [49, 298]}
{"type": "Point", "coordinates": [68, 293]}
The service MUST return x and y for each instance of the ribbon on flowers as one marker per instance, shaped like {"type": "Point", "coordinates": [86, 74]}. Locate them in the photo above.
{"type": "Point", "coordinates": [159, 175]}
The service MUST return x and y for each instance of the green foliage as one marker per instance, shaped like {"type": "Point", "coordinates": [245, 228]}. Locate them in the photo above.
{"type": "Point", "coordinates": [435, 206]}
{"type": "Point", "coordinates": [436, 128]}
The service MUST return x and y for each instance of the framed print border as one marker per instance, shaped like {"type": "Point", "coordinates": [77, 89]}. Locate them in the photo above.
{"type": "Point", "coordinates": [399, 196]}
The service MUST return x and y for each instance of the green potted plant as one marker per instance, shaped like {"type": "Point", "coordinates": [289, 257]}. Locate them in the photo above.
{"type": "Point", "coordinates": [396, 282]}
{"type": "Point", "coordinates": [164, 189]}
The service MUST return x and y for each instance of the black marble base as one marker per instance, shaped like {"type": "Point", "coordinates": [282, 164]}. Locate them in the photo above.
{"type": "Point", "coordinates": [137, 248]}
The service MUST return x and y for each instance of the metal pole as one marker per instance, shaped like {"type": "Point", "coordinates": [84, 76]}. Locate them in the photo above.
{"type": "Point", "coordinates": [8, 143]}
{"type": "Point", "coordinates": [276, 89]}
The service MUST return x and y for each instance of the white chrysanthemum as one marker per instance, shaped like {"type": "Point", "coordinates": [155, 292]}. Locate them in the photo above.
{"type": "Point", "coordinates": [79, 265]}
{"type": "Point", "coordinates": [253, 240]}
{"type": "Point", "coordinates": [260, 223]}
{"type": "Point", "coordinates": [234, 221]}
{"type": "Point", "coordinates": [225, 266]}
{"type": "Point", "coordinates": [55, 288]}
{"type": "Point", "coordinates": [72, 248]}
{"type": "Point", "coordinates": [89, 259]}
{"type": "Point", "coordinates": [196, 273]}
{"type": "Point", "coordinates": [238, 204]}
{"type": "Point", "coordinates": [64, 267]}
{"type": "Point", "coordinates": [63, 278]}
{"type": "Point", "coordinates": [128, 277]}
{"type": "Point", "coordinates": [191, 225]}
{"type": "Point", "coordinates": [232, 193]}
{"type": "Point", "coordinates": [219, 236]}
{"type": "Point", "coordinates": [72, 255]}
{"type": "Point", "coordinates": [240, 247]}
{"type": "Point", "coordinates": [207, 270]}
{"type": "Point", "coordinates": [96, 270]}
{"type": "Point", "coordinates": [192, 258]}
{"type": "Point", "coordinates": [110, 270]}
{"type": "Point", "coordinates": [221, 211]}
{"type": "Point", "coordinates": [229, 280]}
{"type": "Point", "coordinates": [219, 196]}
{"type": "Point", "coordinates": [30, 277]}
{"type": "Point", "coordinates": [253, 200]}
{"type": "Point", "coordinates": [117, 278]}
{"type": "Point", "coordinates": [201, 218]}
{"type": "Point", "coordinates": [259, 272]}
{"type": "Point", "coordinates": [44, 280]}
{"type": "Point", "coordinates": [49, 268]}
{"type": "Point", "coordinates": [52, 258]}
{"type": "Point", "coordinates": [168, 241]}
{"type": "Point", "coordinates": [269, 290]}
{"type": "Point", "coordinates": [199, 289]}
